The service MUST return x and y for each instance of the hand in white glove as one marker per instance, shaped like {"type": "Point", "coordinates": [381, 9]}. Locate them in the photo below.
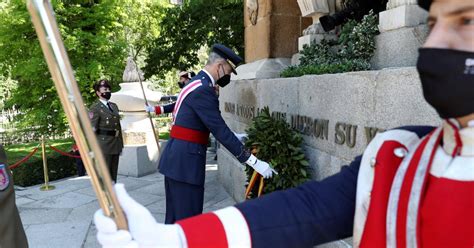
{"type": "Point", "coordinates": [262, 167]}
{"type": "Point", "coordinates": [109, 236]}
{"type": "Point", "coordinates": [144, 231]}
{"type": "Point", "coordinates": [241, 136]}
{"type": "Point", "coordinates": [149, 109]}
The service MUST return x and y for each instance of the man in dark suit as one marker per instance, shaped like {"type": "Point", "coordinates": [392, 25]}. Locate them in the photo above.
{"type": "Point", "coordinates": [105, 119]}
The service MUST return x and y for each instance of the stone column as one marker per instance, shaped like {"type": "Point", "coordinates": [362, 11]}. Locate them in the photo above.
{"type": "Point", "coordinates": [315, 9]}
{"type": "Point", "coordinates": [140, 154]}
{"type": "Point", "coordinates": [272, 28]}
{"type": "Point", "coordinates": [403, 30]}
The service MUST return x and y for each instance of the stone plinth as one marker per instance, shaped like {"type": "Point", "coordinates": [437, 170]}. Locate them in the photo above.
{"type": "Point", "coordinates": [275, 34]}
{"type": "Point", "coordinates": [401, 16]}
{"type": "Point", "coordinates": [264, 68]}
{"type": "Point", "coordinates": [314, 38]}
{"type": "Point", "coordinates": [402, 32]}
{"type": "Point", "coordinates": [398, 48]}
{"type": "Point", "coordinates": [138, 135]}
{"type": "Point", "coordinates": [315, 32]}
{"type": "Point", "coordinates": [140, 154]}
{"type": "Point", "coordinates": [350, 107]}
{"type": "Point", "coordinates": [135, 161]}
{"type": "Point", "coordinates": [232, 175]}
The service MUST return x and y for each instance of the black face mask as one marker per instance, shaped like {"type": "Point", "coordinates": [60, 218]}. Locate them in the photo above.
{"type": "Point", "coordinates": [106, 95]}
{"type": "Point", "coordinates": [447, 78]}
{"type": "Point", "coordinates": [223, 81]}
{"type": "Point", "coordinates": [181, 85]}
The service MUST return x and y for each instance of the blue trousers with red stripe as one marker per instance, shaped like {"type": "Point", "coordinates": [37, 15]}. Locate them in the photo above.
{"type": "Point", "coordinates": [183, 200]}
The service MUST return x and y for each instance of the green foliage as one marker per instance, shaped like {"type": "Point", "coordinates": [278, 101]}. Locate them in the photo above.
{"type": "Point", "coordinates": [7, 85]}
{"type": "Point", "coordinates": [31, 172]}
{"type": "Point", "coordinates": [142, 24]}
{"type": "Point", "coordinates": [278, 144]}
{"type": "Point", "coordinates": [185, 30]}
{"type": "Point", "coordinates": [358, 42]}
{"type": "Point", "coordinates": [318, 69]}
{"type": "Point", "coordinates": [95, 38]}
{"type": "Point", "coordinates": [19, 151]}
{"type": "Point", "coordinates": [318, 53]}
{"type": "Point", "coordinates": [351, 52]}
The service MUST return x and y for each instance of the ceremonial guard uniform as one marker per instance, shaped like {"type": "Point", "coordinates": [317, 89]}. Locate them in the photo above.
{"type": "Point", "coordinates": [11, 228]}
{"type": "Point", "coordinates": [196, 114]}
{"type": "Point", "coordinates": [183, 160]}
{"type": "Point", "coordinates": [184, 78]}
{"type": "Point", "coordinates": [166, 109]}
{"type": "Point", "coordinates": [105, 120]}
{"type": "Point", "coordinates": [409, 189]}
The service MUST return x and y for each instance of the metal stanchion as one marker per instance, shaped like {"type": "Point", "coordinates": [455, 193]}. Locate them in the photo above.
{"type": "Point", "coordinates": [46, 185]}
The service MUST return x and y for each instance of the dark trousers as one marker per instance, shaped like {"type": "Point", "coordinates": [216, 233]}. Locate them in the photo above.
{"type": "Point", "coordinates": [81, 171]}
{"type": "Point", "coordinates": [183, 200]}
{"type": "Point", "coordinates": [112, 161]}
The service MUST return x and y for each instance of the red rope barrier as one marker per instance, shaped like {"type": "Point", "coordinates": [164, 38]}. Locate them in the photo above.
{"type": "Point", "coordinates": [63, 153]}
{"type": "Point", "coordinates": [13, 166]}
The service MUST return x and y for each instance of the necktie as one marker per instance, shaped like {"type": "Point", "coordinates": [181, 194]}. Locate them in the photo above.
{"type": "Point", "coordinates": [110, 108]}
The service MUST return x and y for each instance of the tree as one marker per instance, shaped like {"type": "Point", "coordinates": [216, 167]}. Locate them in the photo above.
{"type": "Point", "coordinates": [94, 38]}
{"type": "Point", "coordinates": [188, 28]}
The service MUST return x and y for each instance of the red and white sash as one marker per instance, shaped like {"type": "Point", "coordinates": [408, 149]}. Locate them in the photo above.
{"type": "Point", "coordinates": [407, 189]}
{"type": "Point", "coordinates": [183, 94]}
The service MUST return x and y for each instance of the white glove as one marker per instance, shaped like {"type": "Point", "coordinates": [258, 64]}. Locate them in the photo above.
{"type": "Point", "coordinates": [149, 109]}
{"type": "Point", "coordinates": [262, 167]}
{"type": "Point", "coordinates": [144, 230]}
{"type": "Point", "coordinates": [241, 136]}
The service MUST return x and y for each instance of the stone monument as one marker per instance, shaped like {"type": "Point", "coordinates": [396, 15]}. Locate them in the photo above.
{"type": "Point", "coordinates": [272, 28]}
{"type": "Point", "coordinates": [315, 9]}
{"type": "Point", "coordinates": [140, 154]}
{"type": "Point", "coordinates": [402, 31]}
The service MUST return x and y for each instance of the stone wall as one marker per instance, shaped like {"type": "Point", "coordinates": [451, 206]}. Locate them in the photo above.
{"type": "Point", "coordinates": [337, 113]}
{"type": "Point", "coordinates": [276, 31]}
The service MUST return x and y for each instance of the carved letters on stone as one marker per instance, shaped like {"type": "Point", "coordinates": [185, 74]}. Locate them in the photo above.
{"type": "Point", "coordinates": [345, 134]}
{"type": "Point", "coordinates": [252, 11]}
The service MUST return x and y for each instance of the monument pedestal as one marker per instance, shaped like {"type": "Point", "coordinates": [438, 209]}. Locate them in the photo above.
{"type": "Point", "coordinates": [135, 162]}
{"type": "Point", "coordinates": [314, 38]}
{"type": "Point", "coordinates": [264, 68]}
{"type": "Point", "coordinates": [140, 154]}
{"type": "Point", "coordinates": [398, 48]}
{"type": "Point", "coordinates": [401, 16]}
{"type": "Point", "coordinates": [402, 32]}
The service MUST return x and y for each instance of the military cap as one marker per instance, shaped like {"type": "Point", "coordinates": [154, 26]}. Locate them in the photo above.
{"type": "Point", "coordinates": [233, 59]}
{"type": "Point", "coordinates": [102, 83]}
{"type": "Point", "coordinates": [425, 4]}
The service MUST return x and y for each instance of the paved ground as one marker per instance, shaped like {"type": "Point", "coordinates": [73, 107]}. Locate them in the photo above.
{"type": "Point", "coordinates": [63, 217]}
